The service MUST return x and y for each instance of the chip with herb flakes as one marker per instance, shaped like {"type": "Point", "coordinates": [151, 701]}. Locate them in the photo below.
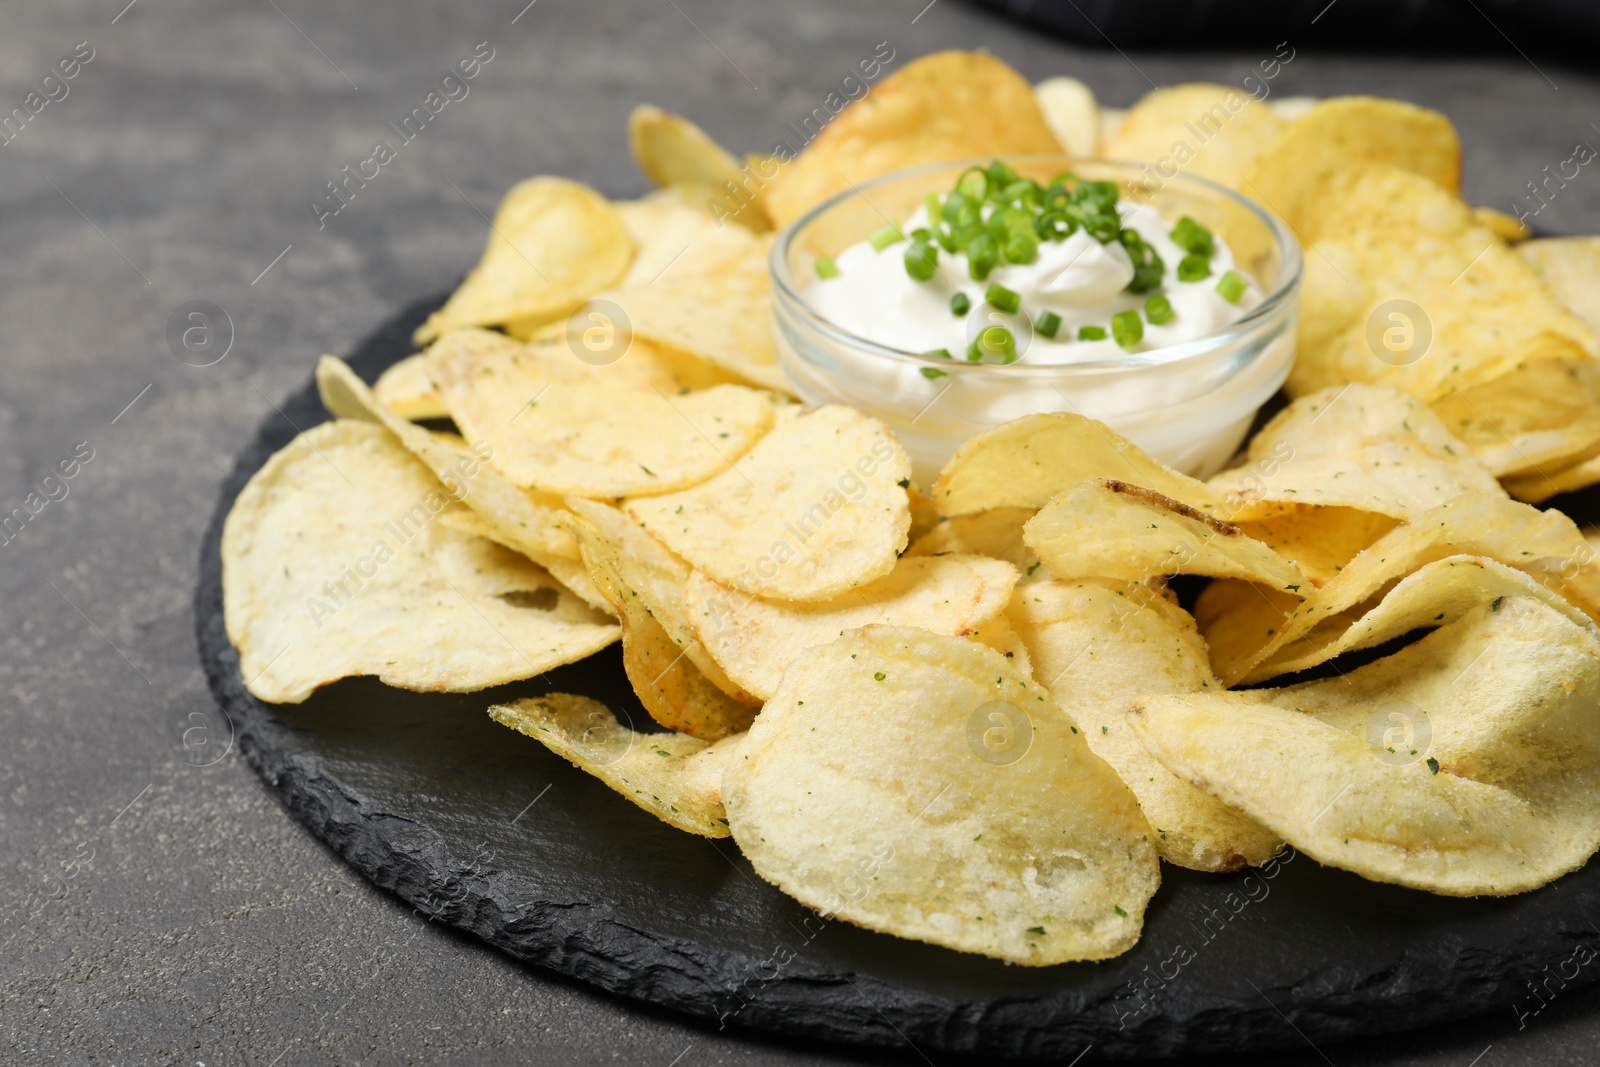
{"type": "Point", "coordinates": [1466, 764]}
{"type": "Point", "coordinates": [1543, 414]}
{"type": "Point", "coordinates": [1025, 462]}
{"type": "Point", "coordinates": [996, 533]}
{"type": "Point", "coordinates": [814, 510]}
{"type": "Point", "coordinates": [675, 153]}
{"type": "Point", "coordinates": [653, 770]}
{"type": "Point", "coordinates": [569, 572]}
{"type": "Point", "coordinates": [754, 640]}
{"type": "Point", "coordinates": [405, 390]}
{"type": "Point", "coordinates": [918, 785]}
{"type": "Point", "coordinates": [679, 239]}
{"type": "Point", "coordinates": [1209, 131]}
{"type": "Point", "coordinates": [1109, 529]}
{"type": "Point", "coordinates": [553, 244]}
{"type": "Point", "coordinates": [1570, 268]}
{"type": "Point", "coordinates": [1098, 647]}
{"type": "Point", "coordinates": [333, 566]}
{"type": "Point", "coordinates": [703, 771]}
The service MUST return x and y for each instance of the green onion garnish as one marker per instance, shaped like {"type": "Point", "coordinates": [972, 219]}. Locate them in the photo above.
{"type": "Point", "coordinates": [826, 267]}
{"type": "Point", "coordinates": [886, 235]}
{"type": "Point", "coordinates": [994, 345]}
{"type": "Point", "coordinates": [1148, 269]}
{"type": "Point", "coordinates": [1232, 286]}
{"type": "Point", "coordinates": [921, 260]}
{"type": "Point", "coordinates": [1048, 324]}
{"type": "Point", "coordinates": [983, 255]}
{"type": "Point", "coordinates": [960, 304]}
{"type": "Point", "coordinates": [1000, 297]}
{"type": "Point", "coordinates": [973, 184]}
{"type": "Point", "coordinates": [1194, 268]}
{"type": "Point", "coordinates": [1158, 309]}
{"type": "Point", "coordinates": [931, 373]}
{"type": "Point", "coordinates": [938, 353]}
{"type": "Point", "coordinates": [932, 203]}
{"type": "Point", "coordinates": [1091, 333]}
{"type": "Point", "coordinates": [1128, 328]}
{"type": "Point", "coordinates": [1021, 248]}
{"type": "Point", "coordinates": [1193, 238]}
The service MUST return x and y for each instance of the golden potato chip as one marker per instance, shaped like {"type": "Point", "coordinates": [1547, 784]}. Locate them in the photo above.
{"type": "Point", "coordinates": [938, 108]}
{"type": "Point", "coordinates": [1570, 268]}
{"type": "Point", "coordinates": [1109, 529]}
{"type": "Point", "coordinates": [1320, 540]}
{"type": "Point", "coordinates": [754, 640]}
{"type": "Point", "coordinates": [1208, 131]}
{"type": "Point", "coordinates": [815, 509]}
{"type": "Point", "coordinates": [678, 238]}
{"type": "Point", "coordinates": [553, 244]}
{"type": "Point", "coordinates": [569, 572]}
{"type": "Point", "coordinates": [560, 425]}
{"type": "Point", "coordinates": [652, 770]}
{"type": "Point", "coordinates": [1000, 635]}
{"type": "Point", "coordinates": [916, 784]}
{"type": "Point", "coordinates": [334, 567]}
{"type": "Point", "coordinates": [1403, 289]}
{"type": "Point", "coordinates": [1538, 486]}
{"type": "Point", "coordinates": [673, 689]}
{"type": "Point", "coordinates": [996, 533]}
{"type": "Point", "coordinates": [1350, 131]}
{"type": "Point", "coordinates": [1073, 116]}
{"type": "Point", "coordinates": [672, 151]}
{"type": "Point", "coordinates": [1025, 462]}
{"type": "Point", "coordinates": [1292, 108]}
{"type": "Point", "coordinates": [1111, 120]}
{"type": "Point", "coordinates": [702, 772]}
{"type": "Point", "coordinates": [1543, 414]}
{"type": "Point", "coordinates": [1464, 764]}
{"type": "Point", "coordinates": [1098, 647]}
{"type": "Point", "coordinates": [924, 516]}
{"type": "Point", "coordinates": [1506, 227]}
{"type": "Point", "coordinates": [405, 390]}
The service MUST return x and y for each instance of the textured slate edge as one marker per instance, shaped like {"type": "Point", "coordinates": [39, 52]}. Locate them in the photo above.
{"type": "Point", "coordinates": [584, 940]}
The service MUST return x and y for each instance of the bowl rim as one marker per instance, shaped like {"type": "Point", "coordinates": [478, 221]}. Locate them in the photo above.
{"type": "Point", "coordinates": [1285, 292]}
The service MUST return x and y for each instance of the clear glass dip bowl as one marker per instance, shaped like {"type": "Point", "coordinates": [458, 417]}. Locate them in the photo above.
{"type": "Point", "coordinates": [1189, 404]}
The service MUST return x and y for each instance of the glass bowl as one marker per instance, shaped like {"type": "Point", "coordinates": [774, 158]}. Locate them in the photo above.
{"type": "Point", "coordinates": [1188, 405]}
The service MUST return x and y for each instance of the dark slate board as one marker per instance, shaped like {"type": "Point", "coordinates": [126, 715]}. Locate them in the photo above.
{"type": "Point", "coordinates": [481, 828]}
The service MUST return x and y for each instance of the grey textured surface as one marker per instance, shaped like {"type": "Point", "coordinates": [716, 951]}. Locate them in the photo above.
{"type": "Point", "coordinates": [156, 911]}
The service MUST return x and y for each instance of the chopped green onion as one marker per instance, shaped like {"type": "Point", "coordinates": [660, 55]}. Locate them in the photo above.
{"type": "Point", "coordinates": [973, 183]}
{"type": "Point", "coordinates": [994, 345]}
{"type": "Point", "coordinates": [1055, 225]}
{"type": "Point", "coordinates": [938, 353]}
{"type": "Point", "coordinates": [1148, 269]}
{"type": "Point", "coordinates": [886, 235]}
{"type": "Point", "coordinates": [1103, 227]}
{"type": "Point", "coordinates": [1000, 176]}
{"type": "Point", "coordinates": [1022, 248]}
{"type": "Point", "coordinates": [1091, 333]}
{"type": "Point", "coordinates": [1128, 328]}
{"type": "Point", "coordinates": [961, 210]}
{"type": "Point", "coordinates": [931, 373]}
{"type": "Point", "coordinates": [1158, 309]}
{"type": "Point", "coordinates": [960, 304]}
{"type": "Point", "coordinates": [1232, 286]}
{"type": "Point", "coordinates": [983, 255]}
{"type": "Point", "coordinates": [921, 260]}
{"type": "Point", "coordinates": [1194, 268]}
{"type": "Point", "coordinates": [1048, 324]}
{"type": "Point", "coordinates": [999, 296]}
{"type": "Point", "coordinates": [1193, 238]}
{"type": "Point", "coordinates": [826, 267]}
{"type": "Point", "coordinates": [923, 234]}
{"type": "Point", "coordinates": [932, 203]}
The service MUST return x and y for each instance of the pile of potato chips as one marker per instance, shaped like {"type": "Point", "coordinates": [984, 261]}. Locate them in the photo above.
{"type": "Point", "coordinates": [977, 715]}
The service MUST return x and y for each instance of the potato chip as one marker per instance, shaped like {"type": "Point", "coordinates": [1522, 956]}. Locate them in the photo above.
{"type": "Point", "coordinates": [1111, 120]}
{"type": "Point", "coordinates": [703, 771]}
{"type": "Point", "coordinates": [679, 239]}
{"type": "Point", "coordinates": [405, 390]}
{"type": "Point", "coordinates": [553, 244]}
{"type": "Point", "coordinates": [1073, 116]}
{"type": "Point", "coordinates": [971, 816]}
{"type": "Point", "coordinates": [1508, 228]}
{"type": "Point", "coordinates": [1292, 108]}
{"type": "Point", "coordinates": [560, 425]}
{"type": "Point", "coordinates": [1544, 414]}
{"type": "Point", "coordinates": [1025, 462]}
{"type": "Point", "coordinates": [1539, 486]}
{"type": "Point", "coordinates": [1348, 131]}
{"type": "Point", "coordinates": [1208, 131]}
{"type": "Point", "coordinates": [569, 572]}
{"type": "Point", "coordinates": [1464, 764]}
{"type": "Point", "coordinates": [652, 770]}
{"type": "Point", "coordinates": [1000, 635]}
{"type": "Point", "coordinates": [1570, 268]}
{"type": "Point", "coordinates": [754, 640]}
{"type": "Point", "coordinates": [1109, 529]}
{"type": "Point", "coordinates": [1403, 289]}
{"type": "Point", "coordinates": [996, 533]}
{"type": "Point", "coordinates": [672, 151]}
{"type": "Point", "coordinates": [1098, 647]}
{"type": "Point", "coordinates": [814, 510]}
{"type": "Point", "coordinates": [1320, 540]}
{"type": "Point", "coordinates": [334, 567]}
{"type": "Point", "coordinates": [926, 112]}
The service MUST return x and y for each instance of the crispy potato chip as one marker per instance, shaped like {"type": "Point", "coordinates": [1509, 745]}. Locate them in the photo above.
{"type": "Point", "coordinates": [1570, 268]}
{"type": "Point", "coordinates": [703, 771]}
{"type": "Point", "coordinates": [652, 770]}
{"type": "Point", "coordinates": [527, 522]}
{"type": "Point", "coordinates": [1538, 486]}
{"type": "Point", "coordinates": [405, 390]}
{"type": "Point", "coordinates": [1100, 646]}
{"type": "Point", "coordinates": [1111, 120]}
{"type": "Point", "coordinates": [754, 640]}
{"type": "Point", "coordinates": [561, 425]}
{"type": "Point", "coordinates": [669, 683]}
{"type": "Point", "coordinates": [1350, 131]}
{"type": "Point", "coordinates": [1543, 414]}
{"type": "Point", "coordinates": [996, 533]}
{"type": "Point", "coordinates": [1109, 529]}
{"type": "Point", "coordinates": [1320, 540]}
{"type": "Point", "coordinates": [569, 572]}
{"type": "Point", "coordinates": [939, 108]}
{"type": "Point", "coordinates": [814, 510]}
{"type": "Point", "coordinates": [333, 567]}
{"type": "Point", "coordinates": [924, 516]}
{"type": "Point", "coordinates": [1000, 635]}
{"type": "Point", "coordinates": [975, 818]}
{"type": "Point", "coordinates": [1508, 228]}
{"type": "Point", "coordinates": [672, 151]}
{"type": "Point", "coordinates": [1403, 289]}
{"type": "Point", "coordinates": [679, 239]}
{"type": "Point", "coordinates": [1465, 764]}
{"type": "Point", "coordinates": [1292, 108]}
{"type": "Point", "coordinates": [1073, 116]}
{"type": "Point", "coordinates": [553, 244]}
{"type": "Point", "coordinates": [1025, 462]}
{"type": "Point", "coordinates": [1209, 131]}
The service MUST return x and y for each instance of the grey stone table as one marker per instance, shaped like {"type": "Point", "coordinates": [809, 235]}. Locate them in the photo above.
{"type": "Point", "coordinates": [157, 907]}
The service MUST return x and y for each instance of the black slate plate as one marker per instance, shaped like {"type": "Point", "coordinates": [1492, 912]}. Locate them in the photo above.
{"type": "Point", "coordinates": [486, 830]}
